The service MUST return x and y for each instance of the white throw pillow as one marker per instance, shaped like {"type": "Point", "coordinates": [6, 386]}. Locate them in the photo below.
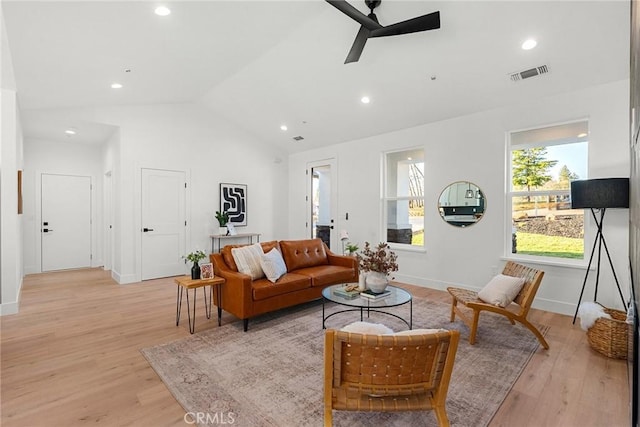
{"type": "Point", "coordinates": [420, 331]}
{"type": "Point", "coordinates": [368, 328]}
{"type": "Point", "coordinates": [273, 265]}
{"type": "Point", "coordinates": [247, 259]}
{"type": "Point", "coordinates": [501, 290]}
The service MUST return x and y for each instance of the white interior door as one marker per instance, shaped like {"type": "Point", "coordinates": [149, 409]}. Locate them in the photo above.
{"type": "Point", "coordinates": [163, 223]}
{"type": "Point", "coordinates": [66, 221]}
{"type": "Point", "coordinates": [322, 202]}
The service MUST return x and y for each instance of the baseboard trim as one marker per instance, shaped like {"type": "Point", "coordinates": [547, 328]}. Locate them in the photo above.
{"type": "Point", "coordinates": [31, 269]}
{"type": "Point", "coordinates": [9, 308]}
{"type": "Point", "coordinates": [123, 279]}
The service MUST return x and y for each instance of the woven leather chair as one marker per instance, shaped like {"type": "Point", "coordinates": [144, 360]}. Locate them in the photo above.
{"type": "Point", "coordinates": [524, 300]}
{"type": "Point", "coordinates": [381, 373]}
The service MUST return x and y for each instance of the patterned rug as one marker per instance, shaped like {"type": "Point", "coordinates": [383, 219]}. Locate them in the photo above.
{"type": "Point", "coordinates": [272, 374]}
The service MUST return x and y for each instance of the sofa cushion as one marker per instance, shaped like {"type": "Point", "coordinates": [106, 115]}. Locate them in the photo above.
{"type": "Point", "coordinates": [303, 253]}
{"type": "Point", "coordinates": [290, 282]}
{"type": "Point", "coordinates": [273, 265]}
{"type": "Point", "coordinates": [228, 258]}
{"type": "Point", "coordinates": [325, 275]}
{"type": "Point", "coordinates": [247, 259]}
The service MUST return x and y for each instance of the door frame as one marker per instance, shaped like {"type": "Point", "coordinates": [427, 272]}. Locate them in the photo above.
{"type": "Point", "coordinates": [107, 221]}
{"type": "Point", "coordinates": [137, 208]}
{"type": "Point", "coordinates": [38, 224]}
{"type": "Point", "coordinates": [332, 162]}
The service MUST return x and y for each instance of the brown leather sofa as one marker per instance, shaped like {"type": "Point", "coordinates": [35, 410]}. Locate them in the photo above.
{"type": "Point", "coordinates": [311, 266]}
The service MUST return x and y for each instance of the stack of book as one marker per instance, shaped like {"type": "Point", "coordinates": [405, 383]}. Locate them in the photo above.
{"type": "Point", "coordinates": [347, 293]}
{"type": "Point", "coordinates": [368, 293]}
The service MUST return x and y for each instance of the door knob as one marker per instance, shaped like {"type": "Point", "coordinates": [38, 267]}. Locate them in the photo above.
{"type": "Point", "coordinates": [147, 229]}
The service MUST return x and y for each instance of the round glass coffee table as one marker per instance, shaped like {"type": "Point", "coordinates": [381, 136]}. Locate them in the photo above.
{"type": "Point", "coordinates": [396, 297]}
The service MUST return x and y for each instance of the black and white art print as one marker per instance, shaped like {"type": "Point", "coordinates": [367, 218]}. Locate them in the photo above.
{"type": "Point", "coordinates": [233, 200]}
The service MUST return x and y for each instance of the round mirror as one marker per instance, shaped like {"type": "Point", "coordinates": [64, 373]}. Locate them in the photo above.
{"type": "Point", "coordinates": [462, 204]}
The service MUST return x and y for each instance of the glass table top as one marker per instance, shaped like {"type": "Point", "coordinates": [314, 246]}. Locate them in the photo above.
{"type": "Point", "coordinates": [397, 296]}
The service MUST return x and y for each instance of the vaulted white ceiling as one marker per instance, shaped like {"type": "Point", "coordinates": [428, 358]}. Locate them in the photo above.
{"type": "Point", "coordinates": [261, 64]}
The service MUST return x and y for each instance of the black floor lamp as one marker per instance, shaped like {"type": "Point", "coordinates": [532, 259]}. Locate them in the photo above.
{"type": "Point", "coordinates": [599, 194]}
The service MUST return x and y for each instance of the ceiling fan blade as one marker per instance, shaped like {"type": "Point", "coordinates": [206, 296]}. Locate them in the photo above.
{"type": "Point", "coordinates": [355, 14]}
{"type": "Point", "coordinates": [358, 45]}
{"type": "Point", "coordinates": [414, 25]}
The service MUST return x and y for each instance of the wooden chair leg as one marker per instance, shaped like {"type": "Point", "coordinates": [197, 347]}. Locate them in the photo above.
{"type": "Point", "coordinates": [441, 416]}
{"type": "Point", "coordinates": [454, 303]}
{"type": "Point", "coordinates": [328, 417]}
{"type": "Point", "coordinates": [474, 327]}
{"type": "Point", "coordinates": [536, 332]}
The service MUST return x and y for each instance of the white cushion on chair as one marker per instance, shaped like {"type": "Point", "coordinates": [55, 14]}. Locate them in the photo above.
{"type": "Point", "coordinates": [501, 290]}
{"type": "Point", "coordinates": [368, 328]}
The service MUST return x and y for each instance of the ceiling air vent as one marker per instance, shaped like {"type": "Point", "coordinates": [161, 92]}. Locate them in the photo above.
{"type": "Point", "coordinates": [298, 138]}
{"type": "Point", "coordinates": [526, 74]}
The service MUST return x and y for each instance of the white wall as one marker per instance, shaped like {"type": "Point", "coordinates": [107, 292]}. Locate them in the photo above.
{"type": "Point", "coordinates": [11, 264]}
{"type": "Point", "coordinates": [65, 159]}
{"type": "Point", "coordinates": [186, 137]}
{"type": "Point", "coordinates": [472, 148]}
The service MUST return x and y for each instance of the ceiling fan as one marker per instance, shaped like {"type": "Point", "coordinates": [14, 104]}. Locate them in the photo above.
{"type": "Point", "coordinates": [370, 27]}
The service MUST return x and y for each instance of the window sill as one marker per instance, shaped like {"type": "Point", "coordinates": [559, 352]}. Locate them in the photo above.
{"type": "Point", "coordinates": [577, 264]}
{"type": "Point", "coordinates": [407, 248]}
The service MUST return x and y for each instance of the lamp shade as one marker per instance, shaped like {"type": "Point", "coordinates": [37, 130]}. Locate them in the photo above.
{"type": "Point", "coordinates": [600, 193]}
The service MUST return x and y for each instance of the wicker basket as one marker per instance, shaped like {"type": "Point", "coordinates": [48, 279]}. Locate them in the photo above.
{"type": "Point", "coordinates": [610, 336]}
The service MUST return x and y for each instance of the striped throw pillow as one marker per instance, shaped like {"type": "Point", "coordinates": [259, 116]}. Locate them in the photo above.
{"type": "Point", "coordinates": [247, 259]}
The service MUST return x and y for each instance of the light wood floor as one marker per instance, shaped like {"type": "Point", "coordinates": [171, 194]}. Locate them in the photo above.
{"type": "Point", "coordinates": [71, 357]}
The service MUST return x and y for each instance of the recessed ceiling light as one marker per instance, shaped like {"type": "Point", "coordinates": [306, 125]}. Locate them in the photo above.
{"type": "Point", "coordinates": [529, 44]}
{"type": "Point", "coordinates": [365, 100]}
{"type": "Point", "coordinates": [70, 131]}
{"type": "Point", "coordinates": [283, 127]}
{"type": "Point", "coordinates": [582, 135]}
{"type": "Point", "coordinates": [116, 86]}
{"type": "Point", "coordinates": [162, 11]}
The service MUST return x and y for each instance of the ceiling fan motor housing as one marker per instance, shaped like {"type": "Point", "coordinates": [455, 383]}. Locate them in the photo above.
{"type": "Point", "coordinates": [372, 4]}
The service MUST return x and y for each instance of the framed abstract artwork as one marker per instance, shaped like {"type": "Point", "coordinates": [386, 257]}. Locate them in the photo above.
{"type": "Point", "coordinates": [233, 200]}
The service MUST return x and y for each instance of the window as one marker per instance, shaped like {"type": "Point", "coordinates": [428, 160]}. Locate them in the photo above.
{"type": "Point", "coordinates": [543, 162]}
{"type": "Point", "coordinates": [403, 197]}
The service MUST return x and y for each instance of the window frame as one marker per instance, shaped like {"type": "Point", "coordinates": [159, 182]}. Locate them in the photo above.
{"type": "Point", "coordinates": [385, 199]}
{"type": "Point", "coordinates": [510, 194]}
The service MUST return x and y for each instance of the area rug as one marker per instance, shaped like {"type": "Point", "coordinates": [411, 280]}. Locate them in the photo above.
{"type": "Point", "coordinates": [272, 375]}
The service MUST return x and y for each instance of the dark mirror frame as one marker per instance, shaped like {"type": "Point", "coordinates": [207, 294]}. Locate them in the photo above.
{"type": "Point", "coordinates": [462, 203]}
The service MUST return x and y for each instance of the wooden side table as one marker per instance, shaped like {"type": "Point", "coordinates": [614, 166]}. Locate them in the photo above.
{"type": "Point", "coordinates": [186, 282]}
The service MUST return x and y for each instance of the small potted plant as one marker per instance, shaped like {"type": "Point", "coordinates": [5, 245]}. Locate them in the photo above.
{"type": "Point", "coordinates": [195, 258]}
{"type": "Point", "coordinates": [351, 248]}
{"type": "Point", "coordinates": [223, 220]}
{"type": "Point", "coordinates": [377, 263]}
